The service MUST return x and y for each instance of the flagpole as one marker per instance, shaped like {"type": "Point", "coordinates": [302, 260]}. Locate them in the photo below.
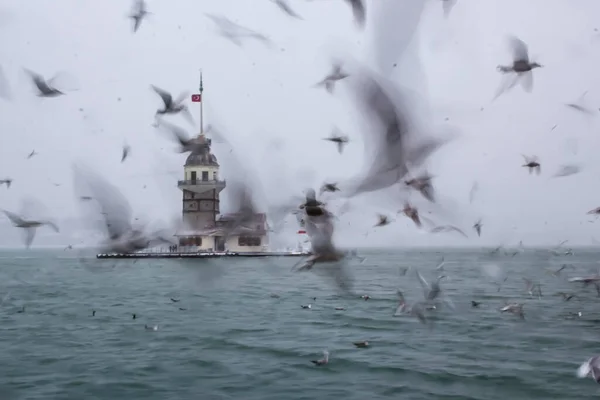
{"type": "Point", "coordinates": [201, 108]}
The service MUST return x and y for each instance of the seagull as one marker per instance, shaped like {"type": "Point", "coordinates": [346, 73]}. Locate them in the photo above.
{"type": "Point", "coordinates": [336, 74]}
{"type": "Point", "coordinates": [233, 32]}
{"type": "Point", "coordinates": [172, 106]}
{"type": "Point", "coordinates": [327, 187]}
{"type": "Point", "coordinates": [339, 139]}
{"type": "Point", "coordinates": [139, 12]}
{"type": "Point", "coordinates": [477, 226]}
{"type": "Point", "coordinates": [125, 153]}
{"type": "Point", "coordinates": [567, 170]}
{"type": "Point", "coordinates": [33, 153]}
{"type": "Point", "coordinates": [423, 185]}
{"type": "Point", "coordinates": [45, 88]}
{"type": "Point", "coordinates": [533, 164]}
{"type": "Point", "coordinates": [578, 106]}
{"type": "Point", "coordinates": [286, 8]}
{"type": "Point", "coordinates": [383, 220]}
{"type": "Point", "coordinates": [29, 226]}
{"type": "Point", "coordinates": [514, 308]}
{"type": "Point", "coordinates": [412, 213]}
{"type": "Point", "coordinates": [521, 68]}
{"type": "Point", "coordinates": [448, 228]}
{"type": "Point", "coordinates": [362, 344]}
{"type": "Point", "coordinates": [415, 311]}
{"type": "Point", "coordinates": [7, 181]}
{"type": "Point", "coordinates": [590, 368]}
{"type": "Point", "coordinates": [322, 361]}
{"type": "Point", "coordinates": [175, 300]}
{"type": "Point", "coordinates": [187, 144]}
{"type": "Point", "coordinates": [151, 328]}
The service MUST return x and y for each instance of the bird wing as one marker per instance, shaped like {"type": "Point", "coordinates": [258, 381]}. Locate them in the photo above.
{"type": "Point", "coordinates": [166, 97]}
{"type": "Point", "coordinates": [115, 208]}
{"type": "Point", "coordinates": [518, 48]}
{"type": "Point", "coordinates": [14, 218]}
{"type": "Point", "coordinates": [179, 134]}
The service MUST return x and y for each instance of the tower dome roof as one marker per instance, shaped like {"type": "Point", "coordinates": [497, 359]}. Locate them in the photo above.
{"type": "Point", "coordinates": [202, 155]}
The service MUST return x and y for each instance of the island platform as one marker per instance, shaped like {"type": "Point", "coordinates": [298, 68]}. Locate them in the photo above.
{"type": "Point", "coordinates": [178, 255]}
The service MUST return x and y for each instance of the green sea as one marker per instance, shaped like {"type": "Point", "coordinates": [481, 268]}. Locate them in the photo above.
{"type": "Point", "coordinates": [226, 337]}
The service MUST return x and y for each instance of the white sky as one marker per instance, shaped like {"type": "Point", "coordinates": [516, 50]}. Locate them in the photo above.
{"type": "Point", "coordinates": [265, 97]}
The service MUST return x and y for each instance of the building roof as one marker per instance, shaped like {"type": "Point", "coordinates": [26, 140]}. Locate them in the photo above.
{"type": "Point", "coordinates": [202, 155]}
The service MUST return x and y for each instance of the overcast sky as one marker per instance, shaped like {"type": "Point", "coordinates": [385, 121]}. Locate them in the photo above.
{"type": "Point", "coordinates": [275, 118]}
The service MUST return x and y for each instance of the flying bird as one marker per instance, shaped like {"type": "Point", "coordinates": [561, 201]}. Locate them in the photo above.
{"type": "Point", "coordinates": [45, 87]}
{"type": "Point", "coordinates": [477, 226]}
{"type": "Point", "coordinates": [339, 139]}
{"type": "Point", "coordinates": [139, 12]}
{"type": "Point", "coordinates": [7, 182]}
{"type": "Point", "coordinates": [286, 8]}
{"type": "Point", "coordinates": [186, 143]}
{"type": "Point", "coordinates": [521, 69]}
{"type": "Point", "coordinates": [423, 185]}
{"type": "Point", "coordinates": [28, 226]}
{"type": "Point", "coordinates": [336, 74]}
{"type": "Point", "coordinates": [33, 153]}
{"type": "Point", "coordinates": [448, 228]}
{"type": "Point", "coordinates": [533, 164]}
{"type": "Point", "coordinates": [171, 106]}
{"type": "Point", "coordinates": [580, 106]}
{"type": "Point", "coordinates": [235, 32]}
{"type": "Point", "coordinates": [122, 235]}
{"type": "Point", "coordinates": [567, 170]}
{"type": "Point", "coordinates": [125, 152]}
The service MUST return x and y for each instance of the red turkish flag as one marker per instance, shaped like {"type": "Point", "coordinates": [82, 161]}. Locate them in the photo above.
{"type": "Point", "coordinates": [196, 98]}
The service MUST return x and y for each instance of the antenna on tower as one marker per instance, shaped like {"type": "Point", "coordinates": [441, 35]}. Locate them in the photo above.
{"type": "Point", "coordinates": [197, 98]}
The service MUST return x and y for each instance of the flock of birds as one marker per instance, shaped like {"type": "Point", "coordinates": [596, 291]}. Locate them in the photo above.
{"type": "Point", "coordinates": [401, 149]}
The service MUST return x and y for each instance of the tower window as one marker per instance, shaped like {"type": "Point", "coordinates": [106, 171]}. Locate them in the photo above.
{"type": "Point", "coordinates": [205, 176]}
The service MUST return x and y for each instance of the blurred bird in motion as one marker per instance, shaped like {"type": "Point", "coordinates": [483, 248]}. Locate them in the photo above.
{"type": "Point", "coordinates": [122, 236]}
{"type": "Point", "coordinates": [45, 87]}
{"type": "Point", "coordinates": [285, 7]}
{"type": "Point", "coordinates": [423, 185]}
{"type": "Point", "coordinates": [235, 32]}
{"type": "Point", "coordinates": [394, 137]}
{"type": "Point", "coordinates": [186, 143]}
{"type": "Point", "coordinates": [173, 106]}
{"type": "Point", "coordinates": [28, 225]}
{"type": "Point", "coordinates": [336, 74]}
{"type": "Point", "coordinates": [339, 139]}
{"type": "Point", "coordinates": [567, 170]}
{"type": "Point", "coordinates": [521, 69]}
{"type": "Point", "coordinates": [533, 164]}
{"type": "Point", "coordinates": [139, 12]}
{"type": "Point", "coordinates": [6, 181]}
{"type": "Point", "coordinates": [125, 152]}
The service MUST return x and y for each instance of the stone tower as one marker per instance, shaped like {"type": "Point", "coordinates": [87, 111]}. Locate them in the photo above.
{"type": "Point", "coordinates": [201, 187]}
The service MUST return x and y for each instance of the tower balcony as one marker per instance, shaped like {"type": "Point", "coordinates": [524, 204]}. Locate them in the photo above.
{"type": "Point", "coordinates": [201, 186]}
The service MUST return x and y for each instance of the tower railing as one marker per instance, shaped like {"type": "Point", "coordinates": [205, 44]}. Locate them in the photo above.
{"type": "Point", "coordinates": [200, 182]}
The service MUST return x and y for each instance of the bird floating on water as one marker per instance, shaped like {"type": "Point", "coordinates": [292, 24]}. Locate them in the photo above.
{"type": "Point", "coordinates": [322, 361]}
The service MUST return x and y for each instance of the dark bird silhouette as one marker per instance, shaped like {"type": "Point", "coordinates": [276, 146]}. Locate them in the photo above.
{"type": "Point", "coordinates": [336, 74]}
{"type": "Point", "coordinates": [286, 8]}
{"type": "Point", "coordinates": [7, 182]}
{"type": "Point", "coordinates": [521, 69]}
{"type": "Point", "coordinates": [45, 87]}
{"type": "Point", "coordinates": [186, 143]}
{"type": "Point", "coordinates": [172, 106]}
{"type": "Point", "coordinates": [139, 12]}
{"type": "Point", "coordinates": [533, 164]}
{"type": "Point", "coordinates": [125, 152]}
{"type": "Point", "coordinates": [339, 139]}
{"type": "Point", "coordinates": [28, 226]}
